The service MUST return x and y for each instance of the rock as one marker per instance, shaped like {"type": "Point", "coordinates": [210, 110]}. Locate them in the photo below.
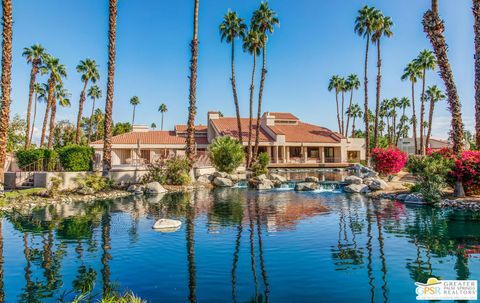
{"type": "Point", "coordinates": [242, 176]}
{"type": "Point", "coordinates": [414, 198]}
{"type": "Point", "coordinates": [375, 184]}
{"type": "Point", "coordinates": [353, 180]}
{"type": "Point", "coordinates": [154, 188]}
{"type": "Point", "coordinates": [86, 191]}
{"type": "Point", "coordinates": [167, 225]}
{"type": "Point", "coordinates": [262, 177]}
{"type": "Point", "coordinates": [401, 197]}
{"type": "Point", "coordinates": [265, 185]}
{"type": "Point", "coordinates": [132, 188]}
{"type": "Point", "coordinates": [276, 177]}
{"type": "Point", "coordinates": [370, 174]}
{"type": "Point", "coordinates": [222, 182]}
{"type": "Point", "coordinates": [311, 179]}
{"type": "Point", "coordinates": [233, 177]}
{"type": "Point", "coordinates": [219, 174]}
{"type": "Point", "coordinates": [357, 188]}
{"type": "Point", "coordinates": [306, 186]}
{"type": "Point", "coordinates": [261, 182]}
{"type": "Point", "coordinates": [203, 179]}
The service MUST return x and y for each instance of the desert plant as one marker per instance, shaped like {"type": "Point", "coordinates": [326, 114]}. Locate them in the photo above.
{"type": "Point", "coordinates": [226, 154]}
{"type": "Point", "coordinates": [76, 158]}
{"type": "Point", "coordinates": [177, 171]}
{"type": "Point", "coordinates": [260, 167]}
{"type": "Point", "coordinates": [95, 182]}
{"type": "Point", "coordinates": [54, 187]}
{"type": "Point", "coordinates": [388, 161]}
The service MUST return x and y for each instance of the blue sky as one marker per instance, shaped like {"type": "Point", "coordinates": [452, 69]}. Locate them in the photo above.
{"type": "Point", "coordinates": [315, 40]}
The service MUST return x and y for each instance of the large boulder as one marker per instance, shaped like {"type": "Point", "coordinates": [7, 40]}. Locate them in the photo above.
{"type": "Point", "coordinates": [276, 177]}
{"type": "Point", "coordinates": [357, 188]}
{"type": "Point", "coordinates": [306, 186]}
{"type": "Point", "coordinates": [167, 225]}
{"type": "Point", "coordinates": [222, 182]}
{"type": "Point", "coordinates": [154, 188]}
{"type": "Point", "coordinates": [261, 182]}
{"type": "Point", "coordinates": [353, 180]}
{"type": "Point", "coordinates": [203, 179]}
{"type": "Point", "coordinates": [262, 177]}
{"type": "Point", "coordinates": [219, 174]}
{"type": "Point", "coordinates": [415, 198]}
{"type": "Point", "coordinates": [311, 179]}
{"type": "Point", "coordinates": [234, 178]}
{"type": "Point", "coordinates": [375, 184]}
{"type": "Point", "coordinates": [132, 188]}
{"type": "Point", "coordinates": [265, 184]}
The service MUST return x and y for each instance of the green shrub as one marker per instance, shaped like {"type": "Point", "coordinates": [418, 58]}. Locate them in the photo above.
{"type": "Point", "coordinates": [76, 158]}
{"type": "Point", "coordinates": [260, 167]}
{"type": "Point", "coordinates": [44, 159]}
{"type": "Point", "coordinates": [432, 172]}
{"type": "Point", "coordinates": [54, 188]}
{"type": "Point", "coordinates": [173, 172]}
{"type": "Point", "coordinates": [226, 153]}
{"type": "Point", "coordinates": [95, 182]}
{"type": "Point", "coordinates": [155, 173]}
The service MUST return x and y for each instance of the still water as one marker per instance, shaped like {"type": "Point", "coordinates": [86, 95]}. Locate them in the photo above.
{"type": "Point", "coordinates": [237, 245]}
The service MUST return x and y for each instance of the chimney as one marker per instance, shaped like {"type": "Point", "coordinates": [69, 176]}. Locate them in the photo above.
{"type": "Point", "coordinates": [140, 128]}
{"type": "Point", "coordinates": [213, 116]}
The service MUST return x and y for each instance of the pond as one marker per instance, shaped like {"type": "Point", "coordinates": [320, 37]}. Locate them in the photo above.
{"type": "Point", "coordinates": [237, 245]}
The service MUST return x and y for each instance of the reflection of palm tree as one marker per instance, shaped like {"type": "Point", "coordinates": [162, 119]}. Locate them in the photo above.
{"type": "Point", "coordinates": [235, 258]}
{"type": "Point", "coordinates": [252, 248]}
{"type": "Point", "coordinates": [371, 278]}
{"type": "Point", "coordinates": [106, 257]}
{"type": "Point", "coordinates": [382, 254]}
{"type": "Point", "coordinates": [260, 251]}
{"type": "Point", "coordinates": [2, 292]}
{"type": "Point", "coordinates": [28, 272]}
{"type": "Point", "coordinates": [192, 271]}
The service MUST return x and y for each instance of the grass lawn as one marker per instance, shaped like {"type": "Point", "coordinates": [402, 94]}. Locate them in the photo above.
{"type": "Point", "coordinates": [22, 193]}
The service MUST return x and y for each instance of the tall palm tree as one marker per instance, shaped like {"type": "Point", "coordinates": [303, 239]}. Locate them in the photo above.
{"type": "Point", "coordinates": [162, 109]}
{"type": "Point", "coordinates": [252, 43]}
{"type": "Point", "coordinates": [395, 103]}
{"type": "Point", "coordinates": [434, 94]}
{"type": "Point", "coordinates": [232, 28]}
{"type": "Point", "coordinates": [264, 20]}
{"type": "Point", "coordinates": [192, 108]}
{"type": "Point", "coordinates": [107, 128]}
{"type": "Point", "coordinates": [476, 16]}
{"type": "Point", "coordinates": [94, 93]}
{"type": "Point", "coordinates": [6, 83]}
{"type": "Point", "coordinates": [403, 104]}
{"type": "Point", "coordinates": [382, 28]}
{"type": "Point", "coordinates": [134, 101]}
{"type": "Point", "coordinates": [40, 94]}
{"type": "Point", "coordinates": [343, 89]}
{"type": "Point", "coordinates": [46, 87]}
{"type": "Point", "coordinates": [352, 83]}
{"type": "Point", "coordinates": [364, 27]}
{"type": "Point", "coordinates": [355, 112]}
{"type": "Point", "coordinates": [385, 108]}
{"type": "Point", "coordinates": [335, 83]}
{"type": "Point", "coordinates": [62, 96]}
{"type": "Point", "coordinates": [153, 125]}
{"type": "Point", "coordinates": [89, 70]}
{"type": "Point", "coordinates": [34, 56]}
{"type": "Point", "coordinates": [425, 61]}
{"type": "Point", "coordinates": [412, 73]}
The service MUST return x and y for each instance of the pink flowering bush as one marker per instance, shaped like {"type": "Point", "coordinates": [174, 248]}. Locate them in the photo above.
{"type": "Point", "coordinates": [388, 161]}
{"type": "Point", "coordinates": [467, 169]}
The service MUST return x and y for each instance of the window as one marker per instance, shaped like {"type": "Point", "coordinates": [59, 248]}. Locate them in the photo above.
{"type": "Point", "coordinates": [353, 155]}
{"type": "Point", "coordinates": [295, 152]}
{"type": "Point", "coordinates": [312, 152]}
{"type": "Point", "coordinates": [329, 152]}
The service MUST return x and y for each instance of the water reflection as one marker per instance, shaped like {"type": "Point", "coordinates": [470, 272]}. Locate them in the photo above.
{"type": "Point", "coordinates": [294, 245]}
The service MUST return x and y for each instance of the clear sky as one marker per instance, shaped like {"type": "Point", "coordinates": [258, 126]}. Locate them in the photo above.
{"type": "Point", "coordinates": [315, 40]}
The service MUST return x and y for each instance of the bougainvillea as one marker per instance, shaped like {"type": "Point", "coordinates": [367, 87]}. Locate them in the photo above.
{"type": "Point", "coordinates": [444, 152]}
{"type": "Point", "coordinates": [467, 169]}
{"type": "Point", "coordinates": [388, 161]}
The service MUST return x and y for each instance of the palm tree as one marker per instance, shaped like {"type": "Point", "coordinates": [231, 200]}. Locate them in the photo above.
{"type": "Point", "coordinates": [6, 83]}
{"type": "Point", "coordinates": [394, 103]}
{"type": "Point", "coordinates": [403, 104]}
{"type": "Point", "coordinates": [425, 61]}
{"type": "Point", "coordinates": [107, 127]}
{"type": "Point", "coordinates": [192, 109]}
{"type": "Point", "coordinates": [94, 93]}
{"type": "Point", "coordinates": [162, 109]}
{"type": "Point", "coordinates": [153, 126]}
{"type": "Point", "coordinates": [364, 27]}
{"type": "Point", "coordinates": [34, 55]}
{"type": "Point", "coordinates": [335, 83]}
{"type": "Point", "coordinates": [343, 89]}
{"type": "Point", "coordinates": [434, 94]}
{"type": "Point", "coordinates": [89, 70]}
{"type": "Point", "coordinates": [352, 83]}
{"type": "Point", "coordinates": [253, 44]}
{"type": "Point", "coordinates": [385, 108]}
{"type": "Point", "coordinates": [264, 20]}
{"type": "Point", "coordinates": [62, 96]}
{"type": "Point", "coordinates": [134, 101]}
{"type": "Point", "coordinates": [232, 28]}
{"type": "Point", "coordinates": [382, 28]}
{"type": "Point", "coordinates": [40, 94]}
{"type": "Point", "coordinates": [476, 16]}
{"type": "Point", "coordinates": [412, 72]}
{"type": "Point", "coordinates": [355, 112]}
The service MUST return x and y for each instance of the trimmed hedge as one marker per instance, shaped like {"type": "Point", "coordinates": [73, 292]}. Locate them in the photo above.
{"type": "Point", "coordinates": [76, 158]}
{"type": "Point", "coordinates": [30, 156]}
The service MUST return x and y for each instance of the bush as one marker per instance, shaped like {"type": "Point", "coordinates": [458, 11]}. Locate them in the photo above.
{"type": "Point", "coordinates": [226, 154]}
{"type": "Point", "coordinates": [76, 158]}
{"type": "Point", "coordinates": [260, 167]}
{"type": "Point", "coordinates": [388, 161]}
{"type": "Point", "coordinates": [54, 188]}
{"type": "Point", "coordinates": [45, 159]}
{"type": "Point", "coordinates": [173, 172]}
{"type": "Point", "coordinates": [432, 172]}
{"type": "Point", "coordinates": [95, 182]}
{"type": "Point", "coordinates": [467, 170]}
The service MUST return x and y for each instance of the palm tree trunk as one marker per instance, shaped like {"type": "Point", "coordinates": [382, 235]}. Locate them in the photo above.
{"type": "Point", "coordinates": [422, 114]}
{"type": "Point", "coordinates": [348, 112]}
{"type": "Point", "coordinates": [414, 119]}
{"type": "Point", "coordinates": [107, 133]}
{"type": "Point", "coordinates": [133, 117]}
{"type": "Point", "coordinates": [6, 82]}
{"type": "Point", "coordinates": [342, 113]}
{"type": "Point", "coordinates": [52, 124]}
{"type": "Point", "coordinates": [90, 122]}
{"type": "Point", "coordinates": [45, 118]}
{"type": "Point", "coordinates": [192, 109]}
{"type": "Point", "coordinates": [433, 26]}
{"type": "Point", "coordinates": [260, 95]}
{"type": "Point", "coordinates": [162, 122]}
{"type": "Point", "coordinates": [353, 128]}
{"type": "Point", "coordinates": [250, 122]}
{"type": "Point", "coordinates": [80, 111]}
{"type": "Point", "coordinates": [365, 116]}
{"type": "Point", "coordinates": [377, 101]}
{"type": "Point", "coordinates": [235, 97]}
{"type": "Point", "coordinates": [190, 239]}
{"type": "Point", "coordinates": [338, 112]}
{"type": "Point", "coordinates": [106, 246]}
{"type": "Point", "coordinates": [476, 16]}
{"type": "Point", "coordinates": [33, 75]}
{"type": "Point", "coordinates": [34, 118]}
{"type": "Point", "coordinates": [430, 121]}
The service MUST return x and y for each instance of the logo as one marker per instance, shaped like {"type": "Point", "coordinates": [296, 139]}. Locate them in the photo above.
{"type": "Point", "coordinates": [436, 289]}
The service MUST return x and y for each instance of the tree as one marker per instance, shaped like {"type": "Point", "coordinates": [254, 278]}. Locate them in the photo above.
{"type": "Point", "coordinates": [476, 16]}
{"type": "Point", "coordinates": [252, 44]}
{"type": "Point", "coordinates": [134, 101]}
{"type": "Point", "coordinates": [62, 96]}
{"type": "Point", "coordinates": [264, 20]}
{"type": "Point", "coordinates": [162, 109]}
{"type": "Point", "coordinates": [40, 94]}
{"type": "Point", "coordinates": [433, 95]}
{"type": "Point", "coordinates": [226, 154]}
{"type": "Point", "coordinates": [425, 61]}
{"type": "Point", "coordinates": [94, 93]}
{"type": "Point", "coordinates": [355, 112]}
{"type": "Point", "coordinates": [107, 137]}
{"type": "Point", "coordinates": [34, 56]}
{"type": "Point", "coordinates": [403, 104]}
{"type": "Point", "coordinates": [394, 104]}
{"type": "Point", "coordinates": [89, 70]}
{"type": "Point", "coordinates": [16, 133]}
{"type": "Point", "coordinates": [352, 83]}
{"type": "Point", "coordinates": [382, 28]}
{"type": "Point", "coordinates": [364, 27]}
{"type": "Point", "coordinates": [192, 108]}
{"type": "Point", "coordinates": [412, 72]}
{"type": "Point", "coordinates": [64, 134]}
{"type": "Point", "coordinates": [153, 126]}
{"type": "Point", "coordinates": [336, 84]}
{"type": "Point", "coordinates": [232, 28]}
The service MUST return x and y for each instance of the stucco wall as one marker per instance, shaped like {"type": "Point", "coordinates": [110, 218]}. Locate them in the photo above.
{"type": "Point", "coordinates": [44, 179]}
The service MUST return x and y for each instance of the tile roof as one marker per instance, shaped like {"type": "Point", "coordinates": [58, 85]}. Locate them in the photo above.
{"type": "Point", "coordinates": [151, 137]}
{"type": "Point", "coordinates": [228, 127]}
{"type": "Point", "coordinates": [283, 116]}
{"type": "Point", "coordinates": [308, 133]}
{"type": "Point", "coordinates": [183, 128]}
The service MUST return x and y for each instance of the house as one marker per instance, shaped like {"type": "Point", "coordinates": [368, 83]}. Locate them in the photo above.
{"type": "Point", "coordinates": [289, 142]}
{"type": "Point", "coordinates": [408, 144]}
